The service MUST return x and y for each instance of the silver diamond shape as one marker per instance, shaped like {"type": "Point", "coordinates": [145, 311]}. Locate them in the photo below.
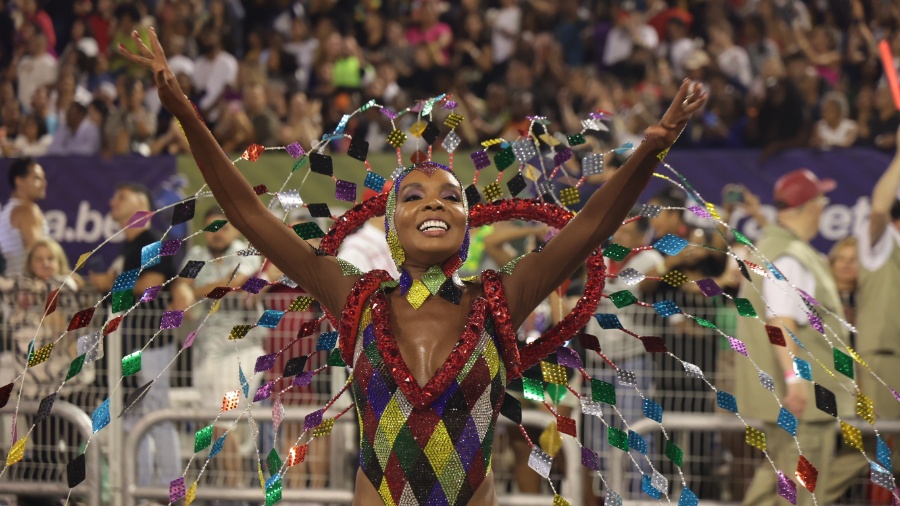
{"type": "Point", "coordinates": [397, 172]}
{"type": "Point", "coordinates": [249, 251]}
{"type": "Point", "coordinates": [766, 381]}
{"type": "Point", "coordinates": [286, 281]}
{"type": "Point", "coordinates": [290, 200]}
{"type": "Point", "coordinates": [92, 345]}
{"type": "Point", "coordinates": [626, 378]}
{"type": "Point", "coordinates": [590, 407]}
{"type": "Point", "coordinates": [631, 276]}
{"type": "Point", "coordinates": [659, 482]}
{"type": "Point", "coordinates": [591, 124]}
{"type": "Point", "coordinates": [545, 187]}
{"type": "Point", "coordinates": [650, 211]}
{"type": "Point", "coordinates": [612, 499]}
{"type": "Point", "coordinates": [592, 164]}
{"type": "Point", "coordinates": [692, 370]}
{"type": "Point", "coordinates": [524, 151]}
{"type": "Point", "coordinates": [540, 461]}
{"type": "Point", "coordinates": [882, 478]}
{"type": "Point", "coordinates": [451, 142]}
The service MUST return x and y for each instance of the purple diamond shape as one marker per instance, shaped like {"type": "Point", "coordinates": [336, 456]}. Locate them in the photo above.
{"type": "Point", "coordinates": [449, 105]}
{"type": "Point", "coordinates": [313, 420]}
{"type": "Point", "coordinates": [303, 379]}
{"type": "Point", "coordinates": [389, 113]}
{"type": "Point", "coordinates": [254, 285]}
{"type": "Point", "coordinates": [709, 287]}
{"type": "Point", "coordinates": [808, 298]}
{"type": "Point", "coordinates": [699, 211]}
{"type": "Point", "coordinates": [294, 149]}
{"type": "Point", "coordinates": [787, 488]}
{"type": "Point", "coordinates": [150, 293]}
{"type": "Point", "coordinates": [480, 159]}
{"type": "Point", "coordinates": [176, 489]}
{"type": "Point", "coordinates": [738, 346]}
{"type": "Point", "coordinates": [405, 282]}
{"type": "Point", "coordinates": [171, 320]}
{"type": "Point", "coordinates": [264, 391]}
{"type": "Point", "coordinates": [189, 340]}
{"type": "Point", "coordinates": [170, 247]}
{"type": "Point", "coordinates": [567, 357]}
{"type": "Point", "coordinates": [590, 459]}
{"type": "Point", "coordinates": [265, 362]}
{"type": "Point", "coordinates": [562, 156]}
{"type": "Point", "coordinates": [345, 190]}
{"type": "Point", "coordinates": [816, 322]}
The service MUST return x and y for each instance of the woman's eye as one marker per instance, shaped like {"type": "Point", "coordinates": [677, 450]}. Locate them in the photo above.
{"type": "Point", "coordinates": [409, 198]}
{"type": "Point", "coordinates": [454, 198]}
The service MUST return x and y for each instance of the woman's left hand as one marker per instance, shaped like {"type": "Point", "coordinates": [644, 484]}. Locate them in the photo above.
{"type": "Point", "coordinates": [689, 99]}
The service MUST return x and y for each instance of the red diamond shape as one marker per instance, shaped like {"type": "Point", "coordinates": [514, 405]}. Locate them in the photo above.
{"type": "Point", "coordinates": [296, 455]}
{"type": "Point", "coordinates": [219, 292]}
{"type": "Point", "coordinates": [654, 344]}
{"type": "Point", "coordinates": [566, 425]}
{"type": "Point", "coordinates": [81, 319]}
{"type": "Point", "coordinates": [807, 474]}
{"type": "Point", "coordinates": [418, 157]}
{"type": "Point", "coordinates": [589, 342]}
{"type": "Point", "coordinates": [112, 325]}
{"type": "Point", "coordinates": [776, 336]}
{"type": "Point", "coordinates": [260, 189]}
{"type": "Point", "coordinates": [253, 152]}
{"type": "Point", "coordinates": [52, 299]}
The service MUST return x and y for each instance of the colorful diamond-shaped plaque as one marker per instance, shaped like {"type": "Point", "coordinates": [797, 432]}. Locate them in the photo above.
{"type": "Point", "coordinates": [616, 252]}
{"type": "Point", "coordinates": [675, 278]}
{"type": "Point", "coordinates": [755, 438]}
{"type": "Point", "coordinates": [652, 410]}
{"type": "Point", "coordinates": [623, 298]}
{"type": "Point", "coordinates": [601, 391]}
{"type": "Point", "coordinates": [666, 308]}
{"type": "Point", "coordinates": [674, 453]}
{"type": "Point", "coordinates": [670, 244]}
{"type": "Point", "coordinates": [843, 363]}
{"type": "Point", "coordinates": [533, 389]}
{"type": "Point", "coordinates": [493, 192]}
{"type": "Point", "coordinates": [745, 308]}
{"type": "Point", "coordinates": [480, 159]}
{"type": "Point", "coordinates": [345, 190]}
{"type": "Point", "coordinates": [569, 196]}
{"type": "Point", "coordinates": [608, 321]}
{"type": "Point", "coordinates": [787, 488]}
{"type": "Point", "coordinates": [617, 438]}
{"type": "Point", "coordinates": [131, 364]}
{"type": "Point", "coordinates": [726, 401]}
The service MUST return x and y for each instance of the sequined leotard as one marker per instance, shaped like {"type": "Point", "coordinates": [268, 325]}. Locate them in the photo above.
{"type": "Point", "coordinates": [432, 444]}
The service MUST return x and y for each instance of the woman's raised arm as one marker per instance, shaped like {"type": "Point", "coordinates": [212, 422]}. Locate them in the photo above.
{"type": "Point", "coordinates": [321, 276]}
{"type": "Point", "coordinates": [538, 274]}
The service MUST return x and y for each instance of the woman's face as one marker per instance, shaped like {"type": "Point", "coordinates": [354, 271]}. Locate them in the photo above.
{"type": "Point", "coordinates": [44, 264]}
{"type": "Point", "coordinates": [844, 265]}
{"type": "Point", "coordinates": [430, 219]}
{"type": "Point", "coordinates": [831, 112]}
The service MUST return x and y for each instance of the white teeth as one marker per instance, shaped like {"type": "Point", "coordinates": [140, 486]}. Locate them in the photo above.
{"type": "Point", "coordinates": [433, 225]}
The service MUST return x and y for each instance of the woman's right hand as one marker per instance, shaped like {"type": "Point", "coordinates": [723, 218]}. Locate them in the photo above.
{"type": "Point", "coordinates": [154, 60]}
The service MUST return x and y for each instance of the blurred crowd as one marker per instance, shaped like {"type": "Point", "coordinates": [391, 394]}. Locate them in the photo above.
{"type": "Point", "coordinates": [780, 73]}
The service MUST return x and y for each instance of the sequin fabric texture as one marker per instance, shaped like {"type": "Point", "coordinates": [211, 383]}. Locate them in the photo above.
{"type": "Point", "coordinates": [432, 444]}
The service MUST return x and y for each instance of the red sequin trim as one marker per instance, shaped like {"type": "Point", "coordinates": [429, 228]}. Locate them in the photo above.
{"type": "Point", "coordinates": [422, 397]}
{"type": "Point", "coordinates": [493, 290]}
{"type": "Point", "coordinates": [348, 326]}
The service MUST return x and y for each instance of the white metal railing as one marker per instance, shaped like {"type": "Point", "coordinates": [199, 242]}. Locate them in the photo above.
{"type": "Point", "coordinates": [89, 488]}
{"type": "Point", "coordinates": [571, 485]}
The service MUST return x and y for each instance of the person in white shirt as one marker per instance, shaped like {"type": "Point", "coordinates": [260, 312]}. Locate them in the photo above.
{"type": "Point", "coordinates": [629, 33]}
{"type": "Point", "coordinates": [36, 69]}
{"type": "Point", "coordinates": [505, 29]}
{"type": "Point", "coordinates": [835, 129]}
{"type": "Point", "coordinates": [21, 220]}
{"type": "Point", "coordinates": [214, 71]}
{"type": "Point", "coordinates": [677, 46]}
{"type": "Point", "coordinates": [732, 59]}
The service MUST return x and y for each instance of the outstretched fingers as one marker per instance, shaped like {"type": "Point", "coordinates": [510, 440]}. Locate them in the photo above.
{"type": "Point", "coordinates": [157, 47]}
{"type": "Point", "coordinates": [135, 58]}
{"type": "Point", "coordinates": [145, 51]}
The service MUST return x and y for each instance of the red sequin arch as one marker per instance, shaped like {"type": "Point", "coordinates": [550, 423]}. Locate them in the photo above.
{"type": "Point", "coordinates": [486, 214]}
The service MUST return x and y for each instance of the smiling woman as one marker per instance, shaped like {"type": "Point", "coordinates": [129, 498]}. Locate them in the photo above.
{"type": "Point", "coordinates": [429, 373]}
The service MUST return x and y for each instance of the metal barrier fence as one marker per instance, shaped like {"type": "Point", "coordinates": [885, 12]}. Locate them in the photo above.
{"type": "Point", "coordinates": [717, 463]}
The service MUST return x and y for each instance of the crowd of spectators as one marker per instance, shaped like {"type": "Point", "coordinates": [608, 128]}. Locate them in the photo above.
{"type": "Point", "coordinates": [780, 73]}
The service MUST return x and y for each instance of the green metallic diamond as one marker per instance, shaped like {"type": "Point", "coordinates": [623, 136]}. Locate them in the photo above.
{"type": "Point", "coordinates": [131, 363]}
{"type": "Point", "coordinates": [533, 389]}
{"type": "Point", "coordinates": [623, 298]}
{"type": "Point", "coordinates": [335, 359]}
{"type": "Point", "coordinates": [705, 323]}
{"type": "Point", "coordinates": [348, 269]}
{"type": "Point", "coordinates": [389, 284]}
{"type": "Point", "coordinates": [675, 454]}
{"type": "Point", "coordinates": [308, 230]}
{"type": "Point", "coordinates": [407, 450]}
{"type": "Point", "coordinates": [203, 438]}
{"type": "Point", "coordinates": [617, 438]}
{"type": "Point", "coordinates": [741, 238]}
{"type": "Point", "coordinates": [602, 391]}
{"type": "Point", "coordinates": [504, 158]}
{"type": "Point", "coordinates": [433, 278]}
{"type": "Point", "coordinates": [299, 163]}
{"type": "Point", "coordinates": [557, 392]}
{"type": "Point", "coordinates": [122, 300]}
{"type": "Point", "coordinates": [575, 139]}
{"type": "Point", "coordinates": [745, 308]}
{"type": "Point", "coordinates": [273, 462]}
{"type": "Point", "coordinates": [215, 226]}
{"type": "Point", "coordinates": [843, 363]}
{"type": "Point", "coordinates": [75, 366]}
{"type": "Point", "coordinates": [511, 265]}
{"type": "Point", "coordinates": [616, 251]}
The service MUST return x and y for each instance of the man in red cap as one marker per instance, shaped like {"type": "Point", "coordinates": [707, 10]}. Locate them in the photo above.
{"type": "Point", "coordinates": [800, 410]}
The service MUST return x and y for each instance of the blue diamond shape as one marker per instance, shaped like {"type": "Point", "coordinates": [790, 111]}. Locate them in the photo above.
{"type": "Point", "coordinates": [787, 421]}
{"type": "Point", "coordinates": [217, 446]}
{"type": "Point", "coordinates": [270, 318]}
{"type": "Point", "coordinates": [653, 411]}
{"type": "Point", "coordinates": [374, 182]}
{"type": "Point", "coordinates": [688, 498]}
{"type": "Point", "coordinates": [100, 417]}
{"type": "Point", "coordinates": [647, 487]}
{"type": "Point", "coordinates": [150, 254]}
{"type": "Point", "coordinates": [726, 401]}
{"type": "Point", "coordinates": [608, 321]}
{"type": "Point", "coordinates": [802, 368]}
{"type": "Point", "coordinates": [884, 454]}
{"type": "Point", "coordinates": [670, 244]}
{"type": "Point", "coordinates": [245, 385]}
{"type": "Point", "coordinates": [327, 341]}
{"type": "Point", "coordinates": [126, 280]}
{"type": "Point", "coordinates": [637, 442]}
{"type": "Point", "coordinates": [666, 308]}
